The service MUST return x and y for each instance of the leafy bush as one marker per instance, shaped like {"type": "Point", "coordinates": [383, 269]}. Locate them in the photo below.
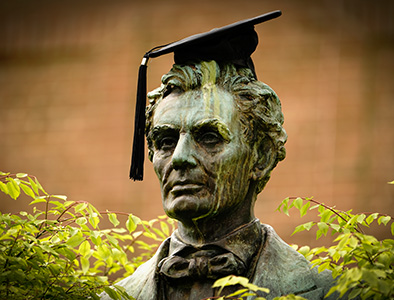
{"type": "Point", "coordinates": [60, 252]}
{"type": "Point", "coordinates": [362, 264]}
{"type": "Point", "coordinates": [249, 289]}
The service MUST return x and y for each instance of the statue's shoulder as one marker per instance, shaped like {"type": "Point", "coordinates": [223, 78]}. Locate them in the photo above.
{"type": "Point", "coordinates": [285, 271]}
{"type": "Point", "coordinates": [142, 283]}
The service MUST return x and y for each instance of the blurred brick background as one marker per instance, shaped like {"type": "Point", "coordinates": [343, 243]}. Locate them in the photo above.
{"type": "Point", "coordinates": [67, 87]}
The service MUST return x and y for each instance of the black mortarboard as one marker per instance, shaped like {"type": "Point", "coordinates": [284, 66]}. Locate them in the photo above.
{"type": "Point", "coordinates": [232, 43]}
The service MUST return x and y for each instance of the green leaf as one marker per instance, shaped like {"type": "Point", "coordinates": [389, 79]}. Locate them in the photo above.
{"type": "Point", "coordinates": [103, 251]}
{"type": "Point", "coordinates": [80, 207]}
{"type": "Point", "coordinates": [315, 206]}
{"type": "Point", "coordinates": [165, 229]}
{"type": "Point", "coordinates": [27, 190]}
{"type": "Point", "coordinates": [92, 209]}
{"type": "Point", "coordinates": [81, 221]}
{"type": "Point", "coordinates": [13, 188]}
{"type": "Point", "coordinates": [159, 233]}
{"type": "Point", "coordinates": [85, 265]}
{"type": "Point", "coordinates": [299, 228]}
{"type": "Point", "coordinates": [323, 229]}
{"type": "Point", "coordinates": [325, 215]}
{"type": "Point", "coordinates": [380, 273]}
{"type": "Point", "coordinates": [21, 175]}
{"type": "Point", "coordinates": [323, 266]}
{"type": "Point", "coordinates": [112, 240]}
{"type": "Point", "coordinates": [298, 203]}
{"type": "Point", "coordinates": [132, 222]}
{"type": "Point", "coordinates": [40, 186]}
{"type": "Point", "coordinates": [240, 291]}
{"type": "Point", "coordinates": [113, 219]}
{"type": "Point", "coordinates": [75, 240]}
{"type": "Point", "coordinates": [384, 220]}
{"type": "Point", "coordinates": [284, 202]}
{"type": "Point", "coordinates": [150, 235]}
{"type": "Point", "coordinates": [3, 188]}
{"type": "Point", "coordinates": [256, 288]}
{"type": "Point", "coordinates": [62, 197]}
{"type": "Point", "coordinates": [304, 250]}
{"type": "Point", "coordinates": [33, 185]}
{"type": "Point", "coordinates": [353, 242]}
{"type": "Point", "coordinates": [360, 218]}
{"type": "Point", "coordinates": [304, 209]}
{"type": "Point", "coordinates": [38, 200]}
{"type": "Point", "coordinates": [371, 217]}
{"type": "Point", "coordinates": [228, 281]}
{"type": "Point", "coordinates": [354, 293]}
{"type": "Point", "coordinates": [234, 280]}
{"type": "Point", "coordinates": [285, 206]}
{"type": "Point", "coordinates": [392, 228]}
{"type": "Point", "coordinates": [343, 240]}
{"type": "Point", "coordinates": [336, 227]}
{"type": "Point", "coordinates": [68, 203]}
{"type": "Point", "coordinates": [67, 253]}
{"type": "Point", "coordinates": [331, 291]}
{"type": "Point", "coordinates": [122, 292]}
{"type": "Point", "coordinates": [369, 276]}
{"type": "Point", "coordinates": [96, 240]}
{"type": "Point", "coordinates": [84, 248]}
{"type": "Point", "coordinates": [58, 204]}
{"type": "Point", "coordinates": [94, 220]}
{"type": "Point", "coordinates": [112, 293]}
{"type": "Point", "coordinates": [309, 225]}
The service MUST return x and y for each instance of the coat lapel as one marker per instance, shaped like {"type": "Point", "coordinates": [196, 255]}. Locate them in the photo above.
{"type": "Point", "coordinates": [283, 270]}
{"type": "Point", "coordinates": [143, 284]}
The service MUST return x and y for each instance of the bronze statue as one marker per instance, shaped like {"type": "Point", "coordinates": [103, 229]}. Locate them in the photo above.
{"type": "Point", "coordinates": [214, 135]}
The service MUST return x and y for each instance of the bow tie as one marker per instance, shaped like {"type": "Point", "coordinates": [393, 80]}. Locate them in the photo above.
{"type": "Point", "coordinates": [201, 264]}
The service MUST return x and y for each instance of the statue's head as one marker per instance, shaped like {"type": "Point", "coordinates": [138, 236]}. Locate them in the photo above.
{"type": "Point", "coordinates": [214, 135]}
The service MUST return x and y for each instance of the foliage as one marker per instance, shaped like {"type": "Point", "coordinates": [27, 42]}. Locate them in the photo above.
{"type": "Point", "coordinates": [249, 288]}
{"type": "Point", "coordinates": [362, 264]}
{"type": "Point", "coordinates": [60, 252]}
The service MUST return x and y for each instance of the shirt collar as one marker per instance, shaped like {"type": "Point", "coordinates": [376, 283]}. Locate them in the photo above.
{"type": "Point", "coordinates": [243, 242]}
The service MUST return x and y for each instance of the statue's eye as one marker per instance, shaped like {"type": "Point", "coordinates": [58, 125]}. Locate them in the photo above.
{"type": "Point", "coordinates": [210, 139]}
{"type": "Point", "coordinates": [167, 143]}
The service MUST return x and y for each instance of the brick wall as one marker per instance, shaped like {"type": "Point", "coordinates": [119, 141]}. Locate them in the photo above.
{"type": "Point", "coordinates": [67, 87]}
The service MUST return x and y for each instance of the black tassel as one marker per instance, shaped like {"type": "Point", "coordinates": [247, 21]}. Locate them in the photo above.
{"type": "Point", "coordinates": [137, 159]}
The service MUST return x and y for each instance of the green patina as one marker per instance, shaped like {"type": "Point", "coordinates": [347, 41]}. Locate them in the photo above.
{"type": "Point", "coordinates": [224, 91]}
{"type": "Point", "coordinates": [208, 86]}
{"type": "Point", "coordinates": [213, 105]}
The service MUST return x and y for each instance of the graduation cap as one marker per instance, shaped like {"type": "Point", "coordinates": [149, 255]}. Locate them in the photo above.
{"type": "Point", "coordinates": [232, 43]}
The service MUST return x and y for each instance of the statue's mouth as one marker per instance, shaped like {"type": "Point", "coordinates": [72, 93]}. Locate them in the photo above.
{"type": "Point", "coordinates": [181, 188]}
{"type": "Point", "coordinates": [185, 184]}
{"type": "Point", "coordinates": [186, 188]}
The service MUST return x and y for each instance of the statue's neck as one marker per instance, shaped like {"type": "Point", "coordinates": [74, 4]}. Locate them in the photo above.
{"type": "Point", "coordinates": [213, 228]}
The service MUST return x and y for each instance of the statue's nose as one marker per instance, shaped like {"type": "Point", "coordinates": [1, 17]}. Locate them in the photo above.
{"type": "Point", "coordinates": [184, 153]}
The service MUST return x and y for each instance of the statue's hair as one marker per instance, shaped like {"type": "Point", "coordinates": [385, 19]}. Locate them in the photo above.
{"type": "Point", "coordinates": [260, 109]}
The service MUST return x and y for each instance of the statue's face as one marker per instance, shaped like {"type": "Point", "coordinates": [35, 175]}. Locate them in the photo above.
{"type": "Point", "coordinates": [199, 153]}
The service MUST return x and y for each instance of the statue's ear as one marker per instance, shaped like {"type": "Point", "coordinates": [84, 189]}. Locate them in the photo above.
{"type": "Point", "coordinates": [265, 159]}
